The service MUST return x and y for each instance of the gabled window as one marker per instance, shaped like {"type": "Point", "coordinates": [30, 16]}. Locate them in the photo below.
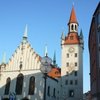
{"type": "Point", "coordinates": [19, 84]}
{"type": "Point", "coordinates": [7, 86]}
{"type": "Point", "coordinates": [31, 85]}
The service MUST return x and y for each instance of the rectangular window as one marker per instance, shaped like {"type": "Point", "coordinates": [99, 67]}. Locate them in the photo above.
{"type": "Point", "coordinates": [76, 64]}
{"type": "Point", "coordinates": [67, 73]}
{"type": "Point", "coordinates": [75, 54]}
{"type": "Point", "coordinates": [76, 82]}
{"type": "Point", "coordinates": [71, 82]}
{"type": "Point", "coordinates": [71, 93]}
{"type": "Point", "coordinates": [67, 55]}
{"type": "Point", "coordinates": [75, 73]}
{"type": "Point", "coordinates": [67, 64]}
{"type": "Point", "coordinates": [66, 82]}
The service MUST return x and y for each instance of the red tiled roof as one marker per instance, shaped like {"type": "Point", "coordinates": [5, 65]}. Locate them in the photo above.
{"type": "Point", "coordinates": [73, 17]}
{"type": "Point", "coordinates": [72, 38]}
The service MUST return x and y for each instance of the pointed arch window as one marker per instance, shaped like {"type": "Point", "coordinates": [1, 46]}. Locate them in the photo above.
{"type": "Point", "coordinates": [19, 84]}
{"type": "Point", "coordinates": [7, 86]}
{"type": "Point", "coordinates": [31, 85]}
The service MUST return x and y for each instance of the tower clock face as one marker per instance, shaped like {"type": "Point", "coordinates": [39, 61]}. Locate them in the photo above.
{"type": "Point", "coordinates": [71, 49]}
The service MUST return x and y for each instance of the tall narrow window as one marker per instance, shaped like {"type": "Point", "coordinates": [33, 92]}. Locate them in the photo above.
{"type": "Point", "coordinates": [19, 84]}
{"type": "Point", "coordinates": [76, 82]}
{"type": "Point", "coordinates": [75, 54]}
{"type": "Point", "coordinates": [75, 27]}
{"type": "Point", "coordinates": [72, 27]}
{"type": "Point", "coordinates": [67, 64]}
{"type": "Point", "coordinates": [75, 63]}
{"type": "Point", "coordinates": [75, 73]}
{"type": "Point", "coordinates": [71, 82]}
{"type": "Point", "coordinates": [66, 82]}
{"type": "Point", "coordinates": [7, 86]}
{"type": "Point", "coordinates": [67, 55]}
{"type": "Point", "coordinates": [48, 93]}
{"type": "Point", "coordinates": [31, 85]}
{"type": "Point", "coordinates": [54, 92]}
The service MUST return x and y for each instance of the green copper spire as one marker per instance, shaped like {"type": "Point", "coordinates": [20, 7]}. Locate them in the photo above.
{"type": "Point", "coordinates": [46, 50]}
{"type": "Point", "coordinates": [54, 59]}
{"type": "Point", "coordinates": [81, 34]}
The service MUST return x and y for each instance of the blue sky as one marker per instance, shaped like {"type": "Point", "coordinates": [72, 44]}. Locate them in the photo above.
{"type": "Point", "coordinates": [46, 20]}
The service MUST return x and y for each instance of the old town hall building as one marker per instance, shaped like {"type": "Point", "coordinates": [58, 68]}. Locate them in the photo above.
{"type": "Point", "coordinates": [21, 78]}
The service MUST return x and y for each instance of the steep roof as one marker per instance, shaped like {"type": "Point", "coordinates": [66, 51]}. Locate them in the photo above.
{"type": "Point", "coordinates": [73, 16]}
{"type": "Point", "coordinates": [72, 38]}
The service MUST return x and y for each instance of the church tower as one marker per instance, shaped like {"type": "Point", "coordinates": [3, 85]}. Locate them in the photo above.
{"type": "Point", "coordinates": [72, 47]}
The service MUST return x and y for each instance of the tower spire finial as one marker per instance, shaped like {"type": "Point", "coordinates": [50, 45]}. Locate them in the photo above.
{"type": "Point", "coordinates": [4, 58]}
{"type": "Point", "coordinates": [25, 33]}
{"type": "Point", "coordinates": [73, 18]}
{"type": "Point", "coordinates": [46, 51]}
{"type": "Point", "coordinates": [73, 3]}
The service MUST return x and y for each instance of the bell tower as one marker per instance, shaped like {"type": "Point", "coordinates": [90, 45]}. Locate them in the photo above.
{"type": "Point", "coordinates": [72, 61]}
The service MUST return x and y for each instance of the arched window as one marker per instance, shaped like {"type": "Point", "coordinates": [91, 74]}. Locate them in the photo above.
{"type": "Point", "coordinates": [7, 86]}
{"type": "Point", "coordinates": [31, 85]}
{"type": "Point", "coordinates": [72, 27]}
{"type": "Point", "coordinates": [75, 27]}
{"type": "Point", "coordinates": [19, 84]}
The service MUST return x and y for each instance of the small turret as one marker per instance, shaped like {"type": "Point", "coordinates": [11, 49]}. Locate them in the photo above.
{"type": "Point", "coordinates": [25, 35]}
{"type": "Point", "coordinates": [62, 38]}
{"type": "Point", "coordinates": [73, 23]}
{"type": "Point", "coordinates": [54, 59]}
{"type": "Point", "coordinates": [81, 38]}
{"type": "Point", "coordinates": [81, 34]}
{"type": "Point", "coordinates": [46, 51]}
{"type": "Point", "coordinates": [3, 63]}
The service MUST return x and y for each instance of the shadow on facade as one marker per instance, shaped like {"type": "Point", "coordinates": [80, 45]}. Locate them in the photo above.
{"type": "Point", "coordinates": [23, 87]}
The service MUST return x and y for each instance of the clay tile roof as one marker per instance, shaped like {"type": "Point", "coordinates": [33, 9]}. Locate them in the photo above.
{"type": "Point", "coordinates": [73, 16]}
{"type": "Point", "coordinates": [72, 38]}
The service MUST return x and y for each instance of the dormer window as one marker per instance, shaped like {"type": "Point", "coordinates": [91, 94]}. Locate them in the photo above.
{"type": "Point", "coordinates": [71, 37]}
